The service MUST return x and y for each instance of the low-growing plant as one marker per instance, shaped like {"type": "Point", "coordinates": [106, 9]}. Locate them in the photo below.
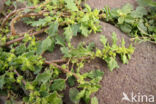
{"type": "Point", "coordinates": [139, 23]}
{"type": "Point", "coordinates": [24, 72]}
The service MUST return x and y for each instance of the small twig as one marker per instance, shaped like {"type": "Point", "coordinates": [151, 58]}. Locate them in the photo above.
{"type": "Point", "coordinates": [68, 61]}
{"type": "Point", "coordinates": [13, 13]}
{"type": "Point", "coordinates": [58, 61]}
{"type": "Point", "coordinates": [21, 9]}
{"type": "Point", "coordinates": [23, 81]}
{"type": "Point", "coordinates": [62, 69]}
{"type": "Point", "coordinates": [21, 38]}
{"type": "Point", "coordinates": [14, 20]}
{"type": "Point", "coordinates": [65, 60]}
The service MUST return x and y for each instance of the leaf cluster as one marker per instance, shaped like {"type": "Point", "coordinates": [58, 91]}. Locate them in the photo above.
{"type": "Point", "coordinates": [25, 74]}
{"type": "Point", "coordinates": [138, 23]}
{"type": "Point", "coordinates": [109, 52]}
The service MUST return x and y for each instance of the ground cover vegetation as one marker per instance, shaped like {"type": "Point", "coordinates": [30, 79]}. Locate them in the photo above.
{"type": "Point", "coordinates": [24, 72]}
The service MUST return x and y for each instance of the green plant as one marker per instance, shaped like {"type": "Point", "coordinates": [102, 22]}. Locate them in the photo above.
{"type": "Point", "coordinates": [139, 23]}
{"type": "Point", "coordinates": [25, 74]}
{"type": "Point", "coordinates": [109, 52]}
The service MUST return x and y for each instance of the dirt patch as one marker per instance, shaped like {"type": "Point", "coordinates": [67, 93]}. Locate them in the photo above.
{"type": "Point", "coordinates": [1, 5]}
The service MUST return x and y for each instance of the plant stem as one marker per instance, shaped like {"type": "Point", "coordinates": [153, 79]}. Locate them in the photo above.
{"type": "Point", "coordinates": [62, 69]}
{"type": "Point", "coordinates": [21, 38]}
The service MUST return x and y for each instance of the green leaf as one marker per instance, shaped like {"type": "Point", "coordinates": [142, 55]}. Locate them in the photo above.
{"type": "Point", "coordinates": [44, 77]}
{"type": "Point", "coordinates": [8, 2]}
{"type": "Point", "coordinates": [71, 81]}
{"type": "Point", "coordinates": [126, 28]}
{"type": "Point", "coordinates": [129, 20]}
{"type": "Point", "coordinates": [103, 40]}
{"type": "Point", "coordinates": [73, 92]}
{"type": "Point", "coordinates": [88, 7]}
{"type": "Point", "coordinates": [54, 98]}
{"type": "Point", "coordinates": [114, 38]}
{"type": "Point", "coordinates": [52, 46]}
{"type": "Point", "coordinates": [80, 51]}
{"type": "Point", "coordinates": [94, 100]}
{"type": "Point", "coordinates": [121, 20]}
{"type": "Point", "coordinates": [127, 8]}
{"type": "Point", "coordinates": [142, 28]}
{"type": "Point", "coordinates": [46, 44]}
{"type": "Point", "coordinates": [123, 42]}
{"type": "Point", "coordinates": [124, 59]}
{"type": "Point", "coordinates": [84, 30]}
{"type": "Point", "coordinates": [139, 12]}
{"type": "Point", "coordinates": [53, 28]}
{"type": "Point", "coordinates": [40, 22]}
{"type": "Point", "coordinates": [85, 18]}
{"type": "Point", "coordinates": [60, 41]}
{"type": "Point", "coordinates": [112, 63]}
{"type": "Point", "coordinates": [58, 85]}
{"type": "Point", "coordinates": [65, 51]}
{"type": "Point", "coordinates": [75, 29]}
{"type": "Point", "coordinates": [91, 46]}
{"type": "Point", "coordinates": [20, 49]}
{"type": "Point", "coordinates": [95, 74]}
{"type": "Point", "coordinates": [81, 94]}
{"type": "Point", "coordinates": [70, 4]}
{"type": "Point", "coordinates": [2, 81]}
{"type": "Point", "coordinates": [68, 33]}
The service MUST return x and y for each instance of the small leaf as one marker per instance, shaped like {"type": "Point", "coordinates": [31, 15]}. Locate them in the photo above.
{"type": "Point", "coordinates": [85, 18]}
{"type": "Point", "coordinates": [91, 46]}
{"type": "Point", "coordinates": [103, 39]}
{"type": "Point", "coordinates": [94, 100]}
{"type": "Point", "coordinates": [65, 51]}
{"type": "Point", "coordinates": [124, 59]}
{"type": "Point", "coordinates": [51, 48]}
{"type": "Point", "coordinates": [95, 73]}
{"type": "Point", "coordinates": [53, 28]}
{"type": "Point", "coordinates": [126, 28]}
{"type": "Point", "coordinates": [60, 40]}
{"type": "Point", "coordinates": [40, 22]}
{"type": "Point", "coordinates": [20, 49]}
{"type": "Point", "coordinates": [114, 38]}
{"type": "Point", "coordinates": [46, 44]}
{"type": "Point", "coordinates": [68, 33]}
{"type": "Point", "coordinates": [71, 5]}
{"type": "Point", "coordinates": [54, 98]}
{"type": "Point", "coordinates": [71, 81]}
{"type": "Point", "coordinates": [43, 77]}
{"type": "Point", "coordinates": [142, 28]}
{"type": "Point", "coordinates": [75, 29]}
{"type": "Point", "coordinates": [123, 42]}
{"type": "Point", "coordinates": [127, 8]}
{"type": "Point", "coordinates": [73, 92]}
{"type": "Point", "coordinates": [84, 30]}
{"type": "Point", "coordinates": [121, 20]}
{"type": "Point", "coordinates": [112, 63]}
{"type": "Point", "coordinates": [58, 85]}
{"type": "Point", "coordinates": [139, 12]}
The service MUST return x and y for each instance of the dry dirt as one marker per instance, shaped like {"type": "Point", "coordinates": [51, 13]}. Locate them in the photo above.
{"type": "Point", "coordinates": [138, 76]}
